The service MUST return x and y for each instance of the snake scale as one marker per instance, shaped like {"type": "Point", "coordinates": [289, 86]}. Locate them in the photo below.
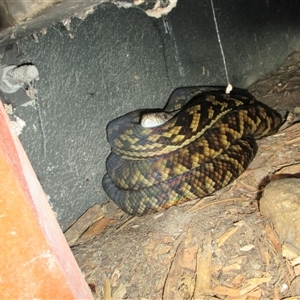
{"type": "Point", "coordinates": [208, 142]}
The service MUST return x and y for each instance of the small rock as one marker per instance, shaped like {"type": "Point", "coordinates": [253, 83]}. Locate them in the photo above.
{"type": "Point", "coordinates": [247, 248]}
{"type": "Point", "coordinates": [281, 204]}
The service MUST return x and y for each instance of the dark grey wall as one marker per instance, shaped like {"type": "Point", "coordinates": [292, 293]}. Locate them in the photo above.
{"type": "Point", "coordinates": [118, 60]}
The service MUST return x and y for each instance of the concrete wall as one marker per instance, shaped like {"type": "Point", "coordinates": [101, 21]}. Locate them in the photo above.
{"type": "Point", "coordinates": [117, 60]}
{"type": "Point", "coordinates": [20, 18]}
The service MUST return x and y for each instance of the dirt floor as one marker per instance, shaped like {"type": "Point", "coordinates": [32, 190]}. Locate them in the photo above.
{"type": "Point", "coordinates": [219, 247]}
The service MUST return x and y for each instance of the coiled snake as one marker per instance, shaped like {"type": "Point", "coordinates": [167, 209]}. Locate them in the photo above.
{"type": "Point", "coordinates": [207, 141]}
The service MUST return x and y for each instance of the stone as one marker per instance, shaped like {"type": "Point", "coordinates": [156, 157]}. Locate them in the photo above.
{"type": "Point", "coordinates": [281, 204]}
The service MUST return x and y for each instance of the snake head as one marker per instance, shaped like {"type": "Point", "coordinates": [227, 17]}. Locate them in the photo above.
{"type": "Point", "coordinates": [154, 119]}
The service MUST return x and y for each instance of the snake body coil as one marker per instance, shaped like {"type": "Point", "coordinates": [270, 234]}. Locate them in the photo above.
{"type": "Point", "coordinates": [207, 143]}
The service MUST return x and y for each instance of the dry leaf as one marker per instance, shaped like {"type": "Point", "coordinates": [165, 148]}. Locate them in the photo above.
{"type": "Point", "coordinates": [267, 257]}
{"type": "Point", "coordinates": [253, 295]}
{"type": "Point", "coordinates": [276, 294]}
{"type": "Point", "coordinates": [202, 285]}
{"type": "Point", "coordinates": [96, 228]}
{"type": "Point", "coordinates": [173, 287]}
{"type": "Point", "coordinates": [160, 238]}
{"type": "Point", "coordinates": [273, 237]}
{"type": "Point", "coordinates": [223, 238]}
{"type": "Point", "coordinates": [92, 215]}
{"type": "Point", "coordinates": [295, 261]}
{"type": "Point", "coordinates": [189, 258]}
{"type": "Point", "coordinates": [115, 277]}
{"type": "Point", "coordinates": [248, 289]}
{"type": "Point", "coordinates": [224, 290]}
{"type": "Point", "coordinates": [107, 290]}
{"type": "Point", "coordinates": [216, 268]}
{"type": "Point", "coordinates": [238, 280]}
{"type": "Point", "coordinates": [120, 291]}
{"type": "Point", "coordinates": [255, 281]}
{"type": "Point", "coordinates": [231, 267]}
{"type": "Point", "coordinates": [126, 223]}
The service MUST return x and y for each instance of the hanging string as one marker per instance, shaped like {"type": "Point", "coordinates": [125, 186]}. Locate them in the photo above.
{"type": "Point", "coordinates": [229, 86]}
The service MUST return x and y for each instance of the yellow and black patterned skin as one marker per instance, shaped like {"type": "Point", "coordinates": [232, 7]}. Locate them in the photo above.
{"type": "Point", "coordinates": [207, 144]}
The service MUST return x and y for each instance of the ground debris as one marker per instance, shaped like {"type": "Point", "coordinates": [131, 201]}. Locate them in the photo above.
{"type": "Point", "coordinates": [180, 279]}
{"type": "Point", "coordinates": [204, 258]}
{"type": "Point", "coordinates": [91, 216]}
{"type": "Point", "coordinates": [220, 247]}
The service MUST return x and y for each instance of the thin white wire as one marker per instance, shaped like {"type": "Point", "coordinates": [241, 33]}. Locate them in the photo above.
{"type": "Point", "coordinates": [229, 86]}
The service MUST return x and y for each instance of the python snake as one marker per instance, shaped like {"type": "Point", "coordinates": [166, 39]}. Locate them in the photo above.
{"type": "Point", "coordinates": [206, 143]}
